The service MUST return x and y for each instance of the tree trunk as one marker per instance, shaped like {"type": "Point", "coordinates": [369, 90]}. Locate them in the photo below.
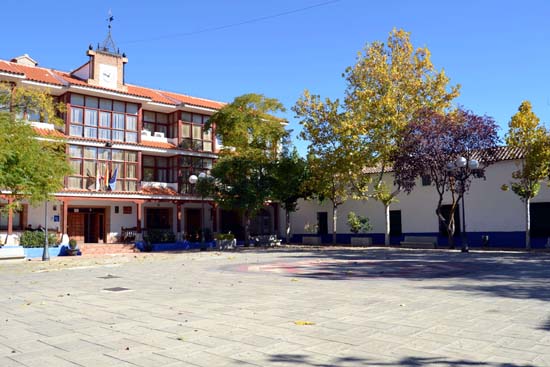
{"type": "Point", "coordinates": [246, 228]}
{"type": "Point", "coordinates": [387, 222]}
{"type": "Point", "coordinates": [451, 228]}
{"type": "Point", "coordinates": [287, 215]}
{"type": "Point", "coordinates": [334, 220]}
{"type": "Point", "coordinates": [527, 224]}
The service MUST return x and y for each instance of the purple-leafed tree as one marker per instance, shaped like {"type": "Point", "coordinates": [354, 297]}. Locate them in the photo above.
{"type": "Point", "coordinates": [431, 145]}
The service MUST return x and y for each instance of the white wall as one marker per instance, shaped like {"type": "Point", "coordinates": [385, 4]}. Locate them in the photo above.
{"type": "Point", "coordinates": [488, 208]}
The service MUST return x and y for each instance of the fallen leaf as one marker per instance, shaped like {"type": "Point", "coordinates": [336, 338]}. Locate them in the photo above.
{"type": "Point", "coordinates": [293, 280]}
{"type": "Point", "coordinates": [302, 323]}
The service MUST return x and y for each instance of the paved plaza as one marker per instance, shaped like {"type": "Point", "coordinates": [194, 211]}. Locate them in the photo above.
{"type": "Point", "coordinates": [281, 307]}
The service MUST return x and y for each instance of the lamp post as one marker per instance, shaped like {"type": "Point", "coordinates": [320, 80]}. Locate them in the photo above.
{"type": "Point", "coordinates": [461, 169]}
{"type": "Point", "coordinates": [193, 179]}
{"type": "Point", "coordinates": [46, 253]}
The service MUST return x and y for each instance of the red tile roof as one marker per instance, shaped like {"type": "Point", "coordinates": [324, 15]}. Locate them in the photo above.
{"type": "Point", "coordinates": [49, 132]}
{"type": "Point", "coordinates": [157, 144]}
{"type": "Point", "coordinates": [61, 78]}
{"type": "Point", "coordinates": [150, 190]}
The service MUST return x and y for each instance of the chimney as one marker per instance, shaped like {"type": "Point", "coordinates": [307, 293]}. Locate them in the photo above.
{"type": "Point", "coordinates": [24, 60]}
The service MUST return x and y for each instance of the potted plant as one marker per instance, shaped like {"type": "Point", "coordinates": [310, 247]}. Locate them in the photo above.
{"type": "Point", "coordinates": [226, 241]}
{"type": "Point", "coordinates": [73, 248]}
{"type": "Point", "coordinates": [358, 224]}
{"type": "Point", "coordinates": [311, 240]}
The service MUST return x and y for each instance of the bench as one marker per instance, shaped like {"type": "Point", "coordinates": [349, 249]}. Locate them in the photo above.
{"type": "Point", "coordinates": [265, 240]}
{"type": "Point", "coordinates": [128, 234]}
{"type": "Point", "coordinates": [419, 242]}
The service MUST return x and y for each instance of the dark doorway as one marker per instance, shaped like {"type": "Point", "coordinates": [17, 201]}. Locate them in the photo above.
{"type": "Point", "coordinates": [322, 223]}
{"type": "Point", "coordinates": [446, 211]}
{"type": "Point", "coordinates": [86, 224]}
{"type": "Point", "coordinates": [540, 219]}
{"type": "Point", "coordinates": [261, 223]}
{"type": "Point", "coordinates": [395, 223]}
{"type": "Point", "coordinates": [193, 224]}
{"type": "Point", "coordinates": [230, 221]}
{"type": "Point", "coordinates": [158, 218]}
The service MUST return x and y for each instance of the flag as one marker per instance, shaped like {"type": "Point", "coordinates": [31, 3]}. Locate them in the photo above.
{"type": "Point", "coordinates": [97, 178]}
{"type": "Point", "coordinates": [106, 176]}
{"type": "Point", "coordinates": [112, 180]}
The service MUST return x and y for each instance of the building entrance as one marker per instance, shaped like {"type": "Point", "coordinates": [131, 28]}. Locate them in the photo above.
{"type": "Point", "coordinates": [86, 224]}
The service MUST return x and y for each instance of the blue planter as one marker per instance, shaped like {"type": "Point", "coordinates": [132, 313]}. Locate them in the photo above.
{"type": "Point", "coordinates": [36, 252]}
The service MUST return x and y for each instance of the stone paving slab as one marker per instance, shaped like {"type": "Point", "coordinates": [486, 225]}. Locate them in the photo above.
{"type": "Point", "coordinates": [284, 307]}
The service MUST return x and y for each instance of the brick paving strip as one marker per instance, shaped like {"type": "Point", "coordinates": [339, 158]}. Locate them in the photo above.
{"type": "Point", "coordinates": [282, 307]}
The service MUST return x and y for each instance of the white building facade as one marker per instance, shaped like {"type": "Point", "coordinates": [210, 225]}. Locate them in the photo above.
{"type": "Point", "coordinates": [489, 211]}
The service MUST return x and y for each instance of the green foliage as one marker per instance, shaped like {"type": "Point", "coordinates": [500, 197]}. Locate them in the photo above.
{"type": "Point", "coordinates": [242, 183]}
{"type": "Point", "coordinates": [249, 125]}
{"type": "Point", "coordinates": [243, 174]}
{"type": "Point", "coordinates": [526, 133]}
{"type": "Point", "coordinates": [30, 169]}
{"type": "Point", "coordinates": [385, 88]}
{"type": "Point", "coordinates": [358, 223]}
{"type": "Point", "coordinates": [72, 243]}
{"type": "Point", "coordinates": [225, 236]}
{"type": "Point", "coordinates": [36, 239]}
{"type": "Point", "coordinates": [160, 236]}
{"type": "Point", "coordinates": [290, 178]}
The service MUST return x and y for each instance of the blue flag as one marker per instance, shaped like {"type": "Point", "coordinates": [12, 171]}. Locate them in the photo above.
{"type": "Point", "coordinates": [112, 180]}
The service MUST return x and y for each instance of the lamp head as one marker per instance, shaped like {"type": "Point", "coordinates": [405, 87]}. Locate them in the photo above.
{"type": "Point", "coordinates": [193, 179]}
{"type": "Point", "coordinates": [202, 175]}
{"type": "Point", "coordinates": [461, 162]}
{"type": "Point", "coordinates": [473, 164]}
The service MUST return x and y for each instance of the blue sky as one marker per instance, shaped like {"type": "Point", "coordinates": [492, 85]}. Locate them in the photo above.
{"type": "Point", "coordinates": [499, 51]}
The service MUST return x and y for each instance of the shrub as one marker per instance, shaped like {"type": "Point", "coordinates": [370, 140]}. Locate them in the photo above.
{"type": "Point", "coordinates": [160, 236]}
{"type": "Point", "coordinates": [36, 239]}
{"type": "Point", "coordinates": [358, 223]}
{"type": "Point", "coordinates": [72, 243]}
{"type": "Point", "coordinates": [225, 236]}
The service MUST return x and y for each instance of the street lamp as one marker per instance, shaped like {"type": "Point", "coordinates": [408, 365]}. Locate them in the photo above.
{"type": "Point", "coordinates": [193, 179]}
{"type": "Point", "coordinates": [461, 169]}
{"type": "Point", "coordinates": [46, 253]}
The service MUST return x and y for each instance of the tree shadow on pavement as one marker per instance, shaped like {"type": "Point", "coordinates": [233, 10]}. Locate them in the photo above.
{"type": "Point", "coordinates": [305, 360]}
{"type": "Point", "coordinates": [517, 275]}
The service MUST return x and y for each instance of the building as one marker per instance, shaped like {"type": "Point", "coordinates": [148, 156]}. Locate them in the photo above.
{"type": "Point", "coordinates": [132, 150]}
{"type": "Point", "coordinates": [489, 211]}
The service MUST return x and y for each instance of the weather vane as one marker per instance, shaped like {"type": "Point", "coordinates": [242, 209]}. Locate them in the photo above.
{"type": "Point", "coordinates": [108, 44]}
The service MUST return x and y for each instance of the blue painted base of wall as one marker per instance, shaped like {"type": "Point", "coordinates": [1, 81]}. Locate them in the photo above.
{"type": "Point", "coordinates": [175, 246]}
{"type": "Point", "coordinates": [507, 240]}
{"type": "Point", "coordinates": [36, 252]}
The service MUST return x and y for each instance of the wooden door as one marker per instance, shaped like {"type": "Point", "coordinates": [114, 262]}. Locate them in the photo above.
{"type": "Point", "coordinates": [75, 226]}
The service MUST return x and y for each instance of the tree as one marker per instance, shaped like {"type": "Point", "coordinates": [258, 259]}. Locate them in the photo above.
{"type": "Point", "coordinates": [290, 178]}
{"type": "Point", "coordinates": [526, 133]}
{"type": "Point", "coordinates": [327, 160]}
{"type": "Point", "coordinates": [430, 145]}
{"type": "Point", "coordinates": [386, 87]}
{"type": "Point", "coordinates": [251, 135]}
{"type": "Point", "coordinates": [31, 167]}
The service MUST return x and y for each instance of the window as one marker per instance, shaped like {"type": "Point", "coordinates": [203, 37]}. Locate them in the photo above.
{"type": "Point", "coordinates": [157, 122]}
{"type": "Point", "coordinates": [16, 220]}
{"type": "Point", "coordinates": [192, 133]}
{"type": "Point", "coordinates": [88, 163]}
{"type": "Point", "coordinates": [188, 166]}
{"type": "Point", "coordinates": [156, 169]}
{"type": "Point", "coordinates": [103, 119]}
{"type": "Point", "coordinates": [426, 180]}
{"type": "Point", "coordinates": [395, 223]}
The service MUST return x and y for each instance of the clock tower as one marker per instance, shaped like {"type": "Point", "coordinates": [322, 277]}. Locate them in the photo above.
{"type": "Point", "coordinates": [106, 66]}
